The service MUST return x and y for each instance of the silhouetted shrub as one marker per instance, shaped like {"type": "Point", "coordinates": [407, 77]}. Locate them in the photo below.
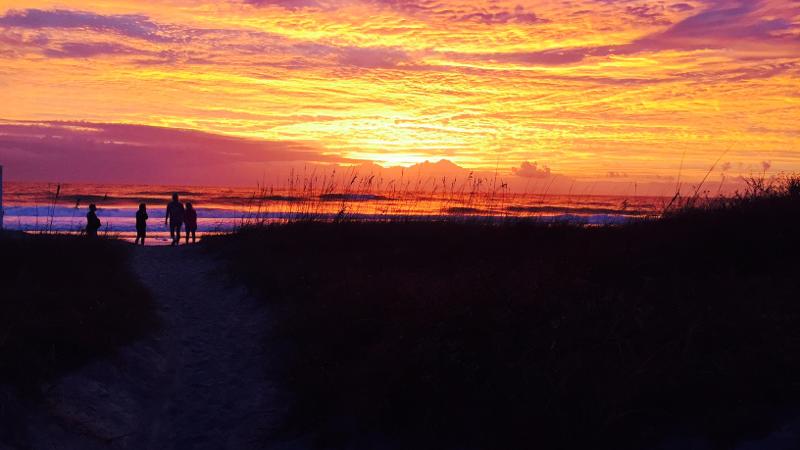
{"type": "Point", "coordinates": [64, 300]}
{"type": "Point", "coordinates": [437, 335]}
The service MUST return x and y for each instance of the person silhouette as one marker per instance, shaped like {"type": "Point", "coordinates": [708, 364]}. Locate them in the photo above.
{"type": "Point", "coordinates": [190, 217]}
{"type": "Point", "coordinates": [92, 222]}
{"type": "Point", "coordinates": [141, 224]}
{"type": "Point", "coordinates": [175, 218]}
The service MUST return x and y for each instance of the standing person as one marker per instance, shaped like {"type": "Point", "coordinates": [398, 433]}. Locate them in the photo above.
{"type": "Point", "coordinates": [175, 218]}
{"type": "Point", "coordinates": [92, 222]}
{"type": "Point", "coordinates": [190, 217]}
{"type": "Point", "coordinates": [141, 224]}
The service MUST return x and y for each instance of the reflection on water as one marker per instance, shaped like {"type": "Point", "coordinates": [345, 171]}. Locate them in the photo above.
{"type": "Point", "coordinates": [36, 207]}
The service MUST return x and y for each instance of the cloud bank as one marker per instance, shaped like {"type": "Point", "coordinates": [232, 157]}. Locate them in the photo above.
{"type": "Point", "coordinates": [587, 86]}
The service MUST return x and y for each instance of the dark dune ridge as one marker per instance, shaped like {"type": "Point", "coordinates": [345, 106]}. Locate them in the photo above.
{"type": "Point", "coordinates": [65, 300]}
{"type": "Point", "coordinates": [462, 335]}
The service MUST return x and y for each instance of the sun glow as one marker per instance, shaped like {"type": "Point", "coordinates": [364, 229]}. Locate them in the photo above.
{"type": "Point", "coordinates": [587, 88]}
{"type": "Point", "coordinates": [391, 160]}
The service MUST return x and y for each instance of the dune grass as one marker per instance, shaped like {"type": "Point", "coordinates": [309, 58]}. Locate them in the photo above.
{"type": "Point", "coordinates": [524, 335]}
{"type": "Point", "coordinates": [63, 301]}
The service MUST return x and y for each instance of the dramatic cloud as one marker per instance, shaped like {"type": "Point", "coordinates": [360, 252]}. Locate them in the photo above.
{"type": "Point", "coordinates": [648, 88]}
{"type": "Point", "coordinates": [88, 50]}
{"type": "Point", "coordinates": [653, 14]}
{"type": "Point", "coordinates": [288, 4]}
{"type": "Point", "coordinates": [518, 16]}
{"type": "Point", "coordinates": [78, 151]}
{"type": "Point", "coordinates": [528, 170]}
{"type": "Point", "coordinates": [372, 58]}
{"type": "Point", "coordinates": [681, 7]}
{"type": "Point", "coordinates": [724, 25]}
{"type": "Point", "coordinates": [131, 25]}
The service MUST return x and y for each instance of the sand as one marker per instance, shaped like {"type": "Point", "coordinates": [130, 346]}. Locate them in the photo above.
{"type": "Point", "coordinates": [200, 382]}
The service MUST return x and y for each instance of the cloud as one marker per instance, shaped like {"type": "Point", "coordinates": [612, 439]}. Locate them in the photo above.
{"type": "Point", "coordinates": [88, 50]}
{"type": "Point", "coordinates": [555, 57]}
{"type": "Point", "coordinates": [426, 170]}
{"type": "Point", "coordinates": [372, 57]}
{"type": "Point", "coordinates": [528, 170]}
{"type": "Point", "coordinates": [207, 42]}
{"type": "Point", "coordinates": [681, 7]}
{"type": "Point", "coordinates": [428, 78]}
{"type": "Point", "coordinates": [653, 14]}
{"type": "Point", "coordinates": [518, 15]}
{"type": "Point", "coordinates": [130, 25]}
{"type": "Point", "coordinates": [11, 42]}
{"type": "Point", "coordinates": [288, 4]}
{"type": "Point", "coordinates": [486, 14]}
{"type": "Point", "coordinates": [723, 25]}
{"type": "Point", "coordinates": [80, 151]}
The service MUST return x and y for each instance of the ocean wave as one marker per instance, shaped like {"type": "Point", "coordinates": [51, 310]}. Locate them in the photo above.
{"type": "Point", "coordinates": [566, 210]}
{"type": "Point", "coordinates": [154, 213]}
{"type": "Point", "coordinates": [352, 197]}
{"type": "Point", "coordinates": [231, 222]}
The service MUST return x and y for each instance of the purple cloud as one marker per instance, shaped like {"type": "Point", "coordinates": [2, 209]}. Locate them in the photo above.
{"type": "Point", "coordinates": [288, 4]}
{"type": "Point", "coordinates": [88, 50]}
{"type": "Point", "coordinates": [731, 21]}
{"type": "Point", "coordinates": [653, 14]}
{"type": "Point", "coordinates": [131, 25]}
{"type": "Point", "coordinates": [493, 15]}
{"type": "Point", "coordinates": [681, 7]}
{"type": "Point", "coordinates": [553, 57]}
{"type": "Point", "coordinates": [519, 15]}
{"type": "Point", "coordinates": [721, 26]}
{"type": "Point", "coordinates": [81, 151]}
{"type": "Point", "coordinates": [372, 57]}
{"type": "Point", "coordinates": [13, 41]}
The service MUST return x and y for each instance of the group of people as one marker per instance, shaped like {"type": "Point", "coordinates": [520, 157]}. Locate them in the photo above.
{"type": "Point", "coordinates": [176, 218]}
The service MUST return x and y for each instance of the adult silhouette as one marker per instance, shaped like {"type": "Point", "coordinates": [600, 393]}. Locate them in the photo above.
{"type": "Point", "coordinates": [92, 222]}
{"type": "Point", "coordinates": [190, 218]}
{"type": "Point", "coordinates": [175, 218]}
{"type": "Point", "coordinates": [141, 224]}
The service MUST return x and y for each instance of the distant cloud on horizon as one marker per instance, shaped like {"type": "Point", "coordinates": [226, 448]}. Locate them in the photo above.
{"type": "Point", "coordinates": [82, 151]}
{"type": "Point", "coordinates": [528, 170]}
{"type": "Point", "coordinates": [75, 151]}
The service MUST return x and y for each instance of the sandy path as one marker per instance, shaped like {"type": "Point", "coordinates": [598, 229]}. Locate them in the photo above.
{"type": "Point", "coordinates": [198, 383]}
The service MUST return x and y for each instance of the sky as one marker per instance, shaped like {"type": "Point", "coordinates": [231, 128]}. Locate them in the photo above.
{"type": "Point", "coordinates": [616, 92]}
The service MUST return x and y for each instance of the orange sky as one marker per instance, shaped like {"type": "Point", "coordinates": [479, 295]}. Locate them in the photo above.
{"type": "Point", "coordinates": [588, 89]}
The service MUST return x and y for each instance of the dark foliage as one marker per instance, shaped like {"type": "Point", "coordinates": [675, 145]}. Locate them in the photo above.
{"type": "Point", "coordinates": [438, 335]}
{"type": "Point", "coordinates": [63, 301]}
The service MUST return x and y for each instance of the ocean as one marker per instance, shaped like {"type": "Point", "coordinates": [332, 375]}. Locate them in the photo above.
{"type": "Point", "coordinates": [62, 208]}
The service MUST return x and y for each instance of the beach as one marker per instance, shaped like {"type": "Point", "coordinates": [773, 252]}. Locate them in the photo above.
{"type": "Point", "coordinates": [653, 334]}
{"type": "Point", "coordinates": [61, 208]}
{"type": "Point", "coordinates": [400, 225]}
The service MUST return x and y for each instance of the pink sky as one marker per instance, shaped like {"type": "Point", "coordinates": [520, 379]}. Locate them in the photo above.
{"type": "Point", "coordinates": [608, 95]}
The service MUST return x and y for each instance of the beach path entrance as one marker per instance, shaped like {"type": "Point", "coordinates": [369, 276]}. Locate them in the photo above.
{"type": "Point", "coordinates": [200, 381]}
